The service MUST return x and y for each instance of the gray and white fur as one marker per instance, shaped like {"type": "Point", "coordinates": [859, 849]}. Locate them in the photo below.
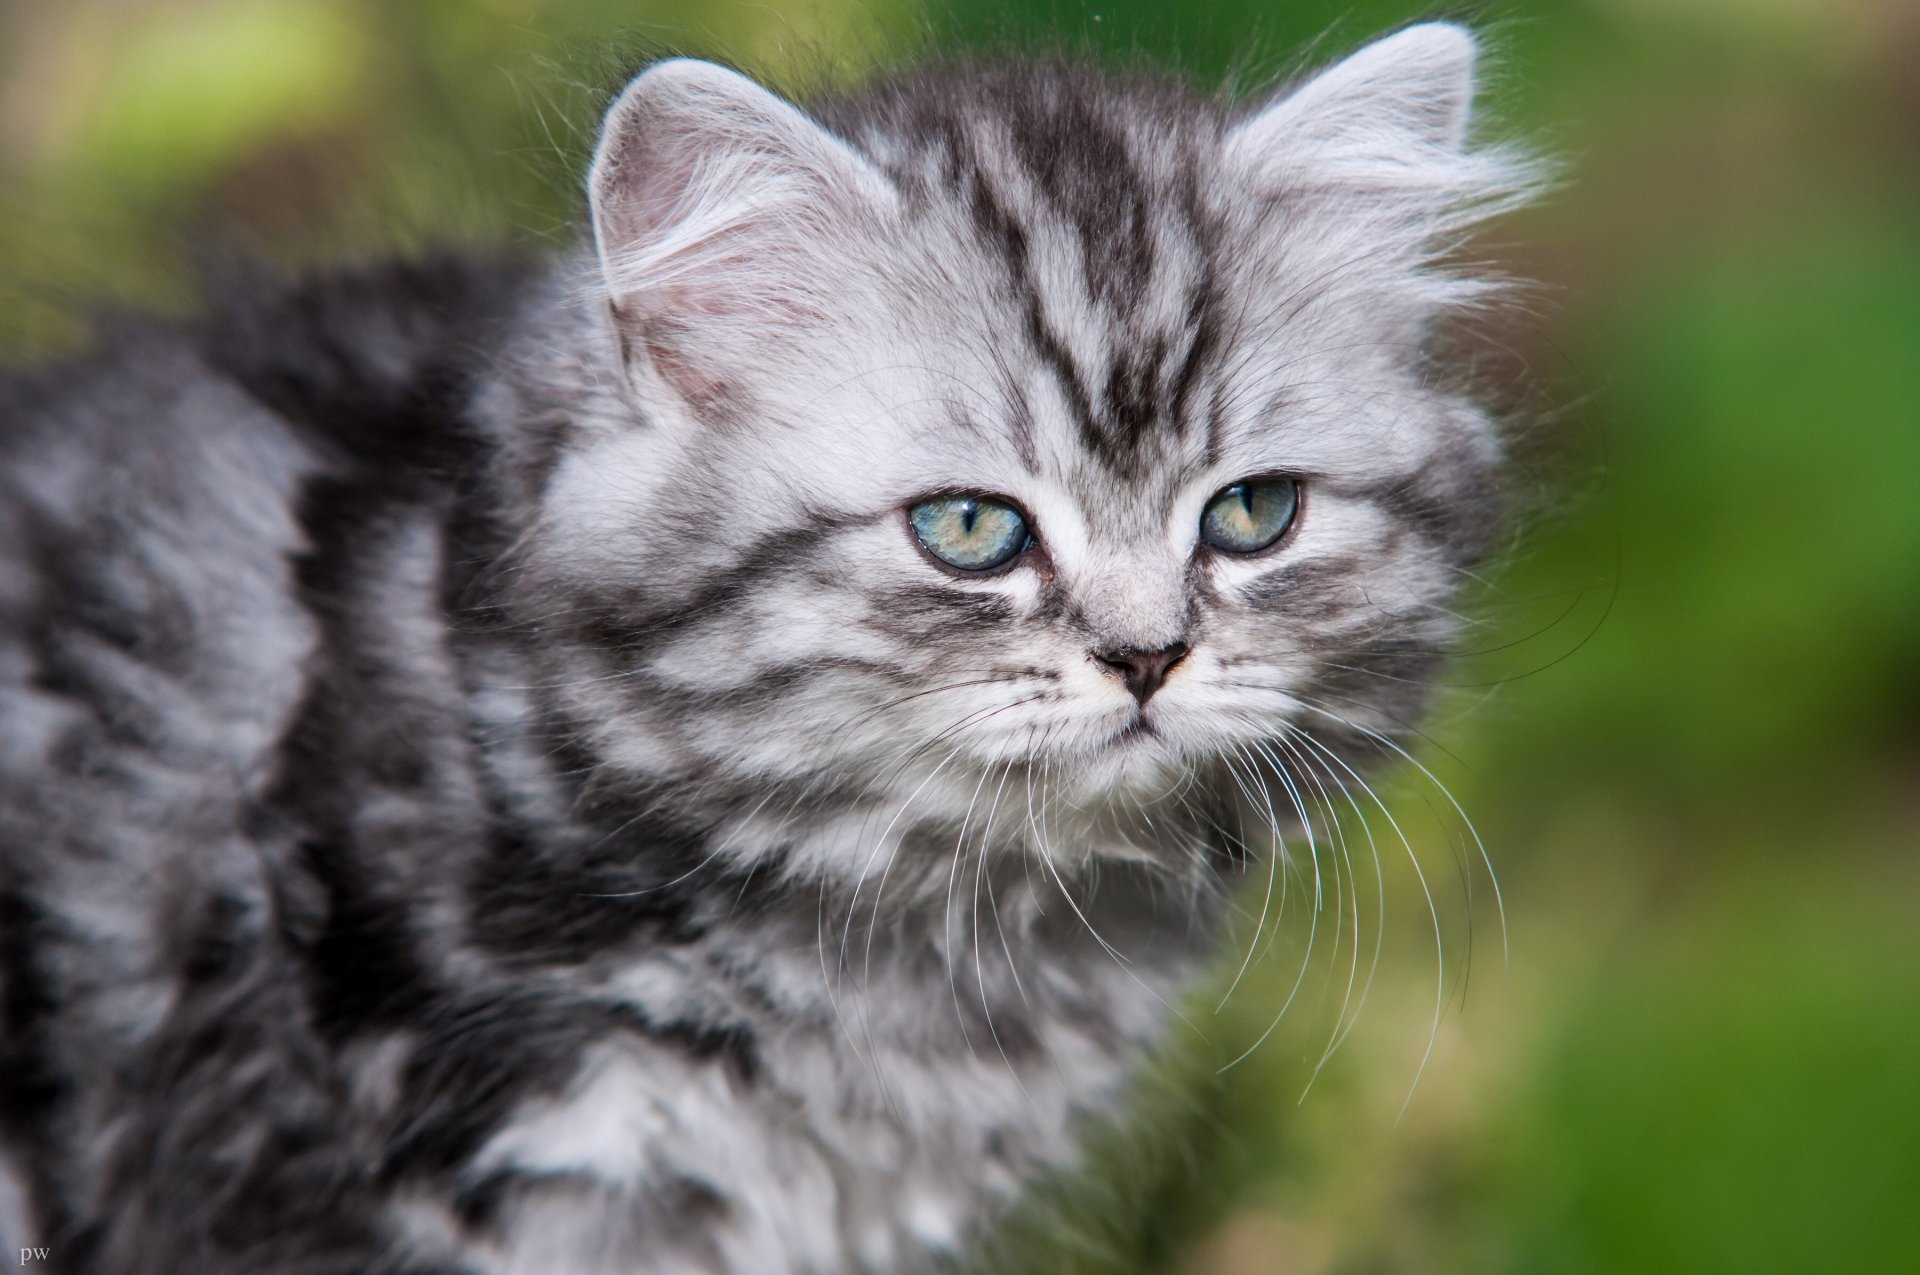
{"type": "Point", "coordinates": [490, 782]}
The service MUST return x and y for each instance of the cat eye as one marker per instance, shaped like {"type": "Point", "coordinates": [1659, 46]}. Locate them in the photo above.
{"type": "Point", "coordinates": [970, 533]}
{"type": "Point", "coordinates": [1251, 514]}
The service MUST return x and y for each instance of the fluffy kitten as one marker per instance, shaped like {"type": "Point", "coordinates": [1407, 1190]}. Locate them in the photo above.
{"type": "Point", "coordinates": [714, 755]}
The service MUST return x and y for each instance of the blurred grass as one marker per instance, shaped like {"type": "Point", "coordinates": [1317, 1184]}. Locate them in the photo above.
{"type": "Point", "coordinates": [1691, 737]}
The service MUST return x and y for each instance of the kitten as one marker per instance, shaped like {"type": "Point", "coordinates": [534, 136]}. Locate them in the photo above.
{"type": "Point", "coordinates": [715, 754]}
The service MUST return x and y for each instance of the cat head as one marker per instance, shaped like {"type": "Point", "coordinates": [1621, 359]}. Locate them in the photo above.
{"type": "Point", "coordinates": [1016, 425]}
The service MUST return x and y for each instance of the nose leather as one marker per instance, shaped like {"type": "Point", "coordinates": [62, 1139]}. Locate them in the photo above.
{"type": "Point", "coordinates": [1143, 672]}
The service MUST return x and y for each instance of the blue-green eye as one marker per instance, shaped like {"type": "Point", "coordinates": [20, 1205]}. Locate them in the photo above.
{"type": "Point", "coordinates": [1251, 514]}
{"type": "Point", "coordinates": [973, 533]}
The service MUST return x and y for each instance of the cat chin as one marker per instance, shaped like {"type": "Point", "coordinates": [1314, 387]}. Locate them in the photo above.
{"type": "Point", "coordinates": [1136, 768]}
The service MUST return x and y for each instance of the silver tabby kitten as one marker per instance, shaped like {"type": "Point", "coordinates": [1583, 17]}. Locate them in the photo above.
{"type": "Point", "coordinates": [711, 756]}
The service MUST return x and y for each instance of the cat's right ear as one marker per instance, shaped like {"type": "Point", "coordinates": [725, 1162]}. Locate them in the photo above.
{"type": "Point", "coordinates": [1383, 134]}
{"type": "Point", "coordinates": [716, 204]}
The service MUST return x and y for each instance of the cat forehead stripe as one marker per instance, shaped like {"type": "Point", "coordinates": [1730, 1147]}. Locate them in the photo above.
{"type": "Point", "coordinates": [1043, 171]}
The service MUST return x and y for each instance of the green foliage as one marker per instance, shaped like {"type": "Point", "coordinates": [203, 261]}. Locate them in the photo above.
{"type": "Point", "coordinates": [1733, 1094]}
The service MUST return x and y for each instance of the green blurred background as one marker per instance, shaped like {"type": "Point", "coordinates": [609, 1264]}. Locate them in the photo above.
{"type": "Point", "coordinates": [1689, 734]}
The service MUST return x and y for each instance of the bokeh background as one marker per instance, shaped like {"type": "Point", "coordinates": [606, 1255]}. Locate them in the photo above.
{"type": "Point", "coordinates": [1689, 733]}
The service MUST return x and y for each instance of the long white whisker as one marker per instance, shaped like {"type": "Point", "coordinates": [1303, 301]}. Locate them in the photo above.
{"type": "Point", "coordinates": [1337, 834]}
{"type": "Point", "coordinates": [946, 912]}
{"type": "Point", "coordinates": [979, 964]}
{"type": "Point", "coordinates": [1274, 851]}
{"type": "Point", "coordinates": [1379, 883]}
{"type": "Point", "coordinates": [1500, 903]}
{"type": "Point", "coordinates": [1118, 957]}
{"type": "Point", "coordinates": [1012, 968]}
{"type": "Point", "coordinates": [1433, 912]}
{"type": "Point", "coordinates": [1298, 802]}
{"type": "Point", "coordinates": [1299, 980]}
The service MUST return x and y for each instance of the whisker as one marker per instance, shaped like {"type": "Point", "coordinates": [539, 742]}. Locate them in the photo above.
{"type": "Point", "coordinates": [1379, 880]}
{"type": "Point", "coordinates": [1012, 969]}
{"type": "Point", "coordinates": [1486, 859]}
{"type": "Point", "coordinates": [1273, 870]}
{"type": "Point", "coordinates": [1336, 830]}
{"type": "Point", "coordinates": [1299, 980]}
{"type": "Point", "coordinates": [1119, 958]}
{"type": "Point", "coordinates": [1433, 912]}
{"type": "Point", "coordinates": [979, 964]}
{"type": "Point", "coordinates": [946, 911]}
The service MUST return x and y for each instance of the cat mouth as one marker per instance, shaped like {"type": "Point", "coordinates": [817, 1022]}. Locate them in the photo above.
{"type": "Point", "coordinates": [1137, 731]}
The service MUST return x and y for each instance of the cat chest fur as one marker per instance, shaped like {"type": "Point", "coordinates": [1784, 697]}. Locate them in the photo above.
{"type": "Point", "coordinates": [806, 1169]}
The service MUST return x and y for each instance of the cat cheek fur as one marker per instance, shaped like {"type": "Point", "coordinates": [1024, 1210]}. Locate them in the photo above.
{"type": "Point", "coordinates": [492, 783]}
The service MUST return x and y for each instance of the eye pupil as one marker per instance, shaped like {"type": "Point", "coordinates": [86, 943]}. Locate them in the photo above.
{"type": "Point", "coordinates": [1250, 515]}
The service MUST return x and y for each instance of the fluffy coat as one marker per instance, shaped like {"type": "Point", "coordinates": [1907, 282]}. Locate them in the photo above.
{"type": "Point", "coordinates": [490, 783]}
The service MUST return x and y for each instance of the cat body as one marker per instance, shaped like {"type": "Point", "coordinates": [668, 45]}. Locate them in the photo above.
{"type": "Point", "coordinates": [492, 779]}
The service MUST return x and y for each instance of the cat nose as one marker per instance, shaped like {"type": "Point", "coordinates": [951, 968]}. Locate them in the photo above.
{"type": "Point", "coordinates": [1144, 672]}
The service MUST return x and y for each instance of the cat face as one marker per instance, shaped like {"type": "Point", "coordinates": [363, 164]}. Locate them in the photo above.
{"type": "Point", "coordinates": [1017, 428]}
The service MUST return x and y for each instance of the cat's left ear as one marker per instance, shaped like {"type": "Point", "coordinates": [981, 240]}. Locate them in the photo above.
{"type": "Point", "coordinates": [1389, 123]}
{"type": "Point", "coordinates": [720, 208]}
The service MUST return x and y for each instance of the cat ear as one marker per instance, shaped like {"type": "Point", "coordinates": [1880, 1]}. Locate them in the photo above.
{"type": "Point", "coordinates": [713, 199]}
{"type": "Point", "coordinates": [1390, 120]}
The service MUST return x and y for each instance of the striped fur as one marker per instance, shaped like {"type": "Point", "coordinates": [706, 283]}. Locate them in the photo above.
{"type": "Point", "coordinates": [490, 784]}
